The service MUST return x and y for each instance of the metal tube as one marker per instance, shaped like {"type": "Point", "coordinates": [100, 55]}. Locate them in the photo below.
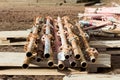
{"type": "Point", "coordinates": [61, 65]}
{"type": "Point", "coordinates": [38, 57]}
{"type": "Point", "coordinates": [50, 63]}
{"type": "Point", "coordinates": [91, 51]}
{"type": "Point", "coordinates": [51, 59]}
{"type": "Point", "coordinates": [72, 62]}
{"type": "Point", "coordinates": [30, 49]}
{"type": "Point", "coordinates": [83, 64]}
{"type": "Point", "coordinates": [73, 39]}
{"type": "Point", "coordinates": [30, 46]}
{"type": "Point", "coordinates": [57, 44]}
{"type": "Point", "coordinates": [65, 47]}
{"type": "Point", "coordinates": [47, 39]}
{"type": "Point", "coordinates": [47, 47]}
{"type": "Point", "coordinates": [27, 61]}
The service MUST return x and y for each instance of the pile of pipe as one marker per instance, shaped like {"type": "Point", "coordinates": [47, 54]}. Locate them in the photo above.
{"type": "Point", "coordinates": [103, 21]}
{"type": "Point", "coordinates": [57, 42]}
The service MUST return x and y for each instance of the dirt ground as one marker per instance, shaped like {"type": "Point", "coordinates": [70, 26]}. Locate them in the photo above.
{"type": "Point", "coordinates": [21, 17]}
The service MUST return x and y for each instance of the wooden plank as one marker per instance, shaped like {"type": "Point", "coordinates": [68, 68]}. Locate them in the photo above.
{"type": "Point", "coordinates": [20, 71]}
{"type": "Point", "coordinates": [14, 34]}
{"type": "Point", "coordinates": [4, 41]}
{"type": "Point", "coordinates": [16, 59]}
{"type": "Point", "coordinates": [105, 44]}
{"type": "Point", "coordinates": [11, 59]}
{"type": "Point", "coordinates": [14, 43]}
{"type": "Point", "coordinates": [92, 77]}
{"type": "Point", "coordinates": [111, 52]}
{"type": "Point", "coordinates": [38, 71]}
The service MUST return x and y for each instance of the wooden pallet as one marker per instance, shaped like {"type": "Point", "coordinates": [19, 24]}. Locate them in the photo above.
{"type": "Point", "coordinates": [14, 59]}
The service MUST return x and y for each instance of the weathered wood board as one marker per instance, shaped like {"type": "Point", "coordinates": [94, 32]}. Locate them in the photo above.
{"type": "Point", "coordinates": [22, 43]}
{"type": "Point", "coordinates": [14, 59]}
{"type": "Point", "coordinates": [14, 34]}
{"type": "Point", "coordinates": [105, 44]}
{"type": "Point", "coordinates": [92, 77]}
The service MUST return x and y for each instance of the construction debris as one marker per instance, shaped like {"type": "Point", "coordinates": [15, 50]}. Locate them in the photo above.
{"type": "Point", "coordinates": [54, 41]}
{"type": "Point", "coordinates": [102, 21]}
{"type": "Point", "coordinates": [58, 42]}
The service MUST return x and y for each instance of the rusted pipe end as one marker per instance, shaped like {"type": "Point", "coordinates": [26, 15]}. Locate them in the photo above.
{"type": "Point", "coordinates": [50, 63]}
{"type": "Point", "coordinates": [25, 66]}
{"type": "Point", "coordinates": [67, 56]}
{"type": "Point", "coordinates": [47, 55]}
{"type": "Point", "coordinates": [61, 66]}
{"type": "Point", "coordinates": [92, 59]}
{"type": "Point", "coordinates": [73, 64]}
{"type": "Point", "coordinates": [84, 64]}
{"type": "Point", "coordinates": [28, 54]}
{"type": "Point", "coordinates": [77, 56]}
{"type": "Point", "coordinates": [38, 59]}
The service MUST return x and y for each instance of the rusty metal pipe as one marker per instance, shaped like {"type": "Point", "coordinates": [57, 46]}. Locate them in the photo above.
{"type": "Point", "coordinates": [26, 63]}
{"type": "Point", "coordinates": [47, 47]}
{"type": "Point", "coordinates": [38, 57]}
{"type": "Point", "coordinates": [30, 45]}
{"type": "Point", "coordinates": [28, 60]}
{"type": "Point", "coordinates": [47, 39]}
{"type": "Point", "coordinates": [29, 54]}
{"type": "Point", "coordinates": [91, 51]}
{"type": "Point", "coordinates": [65, 47]}
{"type": "Point", "coordinates": [50, 63]}
{"type": "Point", "coordinates": [83, 64]}
{"type": "Point", "coordinates": [72, 62]}
{"type": "Point", "coordinates": [72, 39]}
{"type": "Point", "coordinates": [61, 65]}
{"type": "Point", "coordinates": [30, 48]}
{"type": "Point", "coordinates": [57, 44]}
{"type": "Point", "coordinates": [51, 59]}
